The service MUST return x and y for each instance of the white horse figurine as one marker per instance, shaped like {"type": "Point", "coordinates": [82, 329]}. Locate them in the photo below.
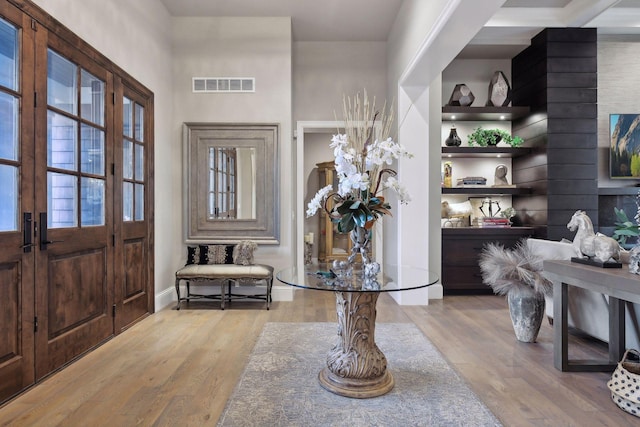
{"type": "Point", "coordinates": [597, 246]}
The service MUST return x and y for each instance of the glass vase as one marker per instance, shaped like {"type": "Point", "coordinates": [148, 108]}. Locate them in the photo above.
{"type": "Point", "coordinates": [360, 238]}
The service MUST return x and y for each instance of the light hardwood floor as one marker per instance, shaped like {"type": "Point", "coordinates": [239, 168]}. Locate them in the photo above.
{"type": "Point", "coordinates": [177, 368]}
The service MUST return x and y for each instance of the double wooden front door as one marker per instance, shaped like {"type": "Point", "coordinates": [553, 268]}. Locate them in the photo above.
{"type": "Point", "coordinates": [74, 201]}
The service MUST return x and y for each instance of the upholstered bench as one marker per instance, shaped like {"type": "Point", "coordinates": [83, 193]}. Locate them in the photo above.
{"type": "Point", "coordinates": [215, 263]}
{"type": "Point", "coordinates": [225, 274]}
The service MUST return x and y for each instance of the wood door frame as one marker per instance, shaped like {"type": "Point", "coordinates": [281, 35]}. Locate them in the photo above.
{"type": "Point", "coordinates": [62, 337]}
{"type": "Point", "coordinates": [124, 317]}
{"type": "Point", "coordinates": [17, 370]}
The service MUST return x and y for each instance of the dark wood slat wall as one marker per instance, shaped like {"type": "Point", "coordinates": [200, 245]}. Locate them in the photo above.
{"type": "Point", "coordinates": [529, 82]}
{"type": "Point", "coordinates": [557, 77]}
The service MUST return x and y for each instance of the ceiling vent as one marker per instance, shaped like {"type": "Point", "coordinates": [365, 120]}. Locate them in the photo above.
{"type": "Point", "coordinates": [224, 84]}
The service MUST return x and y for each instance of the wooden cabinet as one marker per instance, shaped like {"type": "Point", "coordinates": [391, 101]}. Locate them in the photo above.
{"type": "Point", "coordinates": [461, 246]}
{"type": "Point", "coordinates": [331, 244]}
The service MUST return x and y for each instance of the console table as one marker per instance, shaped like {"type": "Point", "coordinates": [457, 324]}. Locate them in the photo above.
{"type": "Point", "coordinates": [355, 366]}
{"type": "Point", "coordinates": [617, 283]}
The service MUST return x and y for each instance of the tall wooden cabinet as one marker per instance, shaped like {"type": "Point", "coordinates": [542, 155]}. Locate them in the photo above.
{"type": "Point", "coordinates": [331, 244]}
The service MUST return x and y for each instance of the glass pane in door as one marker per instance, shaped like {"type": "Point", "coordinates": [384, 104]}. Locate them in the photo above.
{"type": "Point", "coordinates": [8, 126]}
{"type": "Point", "coordinates": [139, 198]}
{"type": "Point", "coordinates": [8, 55]}
{"type": "Point", "coordinates": [61, 83]}
{"type": "Point", "coordinates": [127, 159]}
{"type": "Point", "coordinates": [91, 98]}
{"type": "Point", "coordinates": [127, 117]}
{"type": "Point", "coordinates": [139, 117]}
{"type": "Point", "coordinates": [127, 201]}
{"type": "Point", "coordinates": [62, 201]}
{"type": "Point", "coordinates": [92, 201]}
{"type": "Point", "coordinates": [91, 150]}
{"type": "Point", "coordinates": [8, 198]}
{"type": "Point", "coordinates": [139, 172]}
{"type": "Point", "coordinates": [62, 137]}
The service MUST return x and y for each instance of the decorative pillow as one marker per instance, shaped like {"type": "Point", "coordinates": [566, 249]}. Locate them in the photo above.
{"type": "Point", "coordinates": [216, 254]}
{"type": "Point", "coordinates": [243, 252]}
{"type": "Point", "coordinates": [193, 255]}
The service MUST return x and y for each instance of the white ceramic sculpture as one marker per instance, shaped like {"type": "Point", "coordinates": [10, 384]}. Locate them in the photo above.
{"type": "Point", "coordinates": [591, 245]}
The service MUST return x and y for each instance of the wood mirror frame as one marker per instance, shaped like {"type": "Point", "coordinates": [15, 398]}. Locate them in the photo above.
{"type": "Point", "coordinates": [263, 225]}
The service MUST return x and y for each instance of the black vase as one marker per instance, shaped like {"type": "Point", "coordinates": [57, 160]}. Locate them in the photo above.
{"type": "Point", "coordinates": [453, 140]}
{"type": "Point", "coordinates": [495, 142]}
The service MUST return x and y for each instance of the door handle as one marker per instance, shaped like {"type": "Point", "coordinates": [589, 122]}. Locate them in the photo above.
{"type": "Point", "coordinates": [27, 236]}
{"type": "Point", "coordinates": [44, 241]}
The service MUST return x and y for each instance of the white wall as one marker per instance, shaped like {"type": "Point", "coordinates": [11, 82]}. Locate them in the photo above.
{"type": "Point", "coordinates": [323, 72]}
{"type": "Point", "coordinates": [238, 47]}
{"type": "Point", "coordinates": [134, 36]}
{"type": "Point", "coordinates": [425, 38]}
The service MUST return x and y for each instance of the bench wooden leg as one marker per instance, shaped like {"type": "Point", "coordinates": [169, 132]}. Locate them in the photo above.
{"type": "Point", "coordinates": [222, 292]}
{"type": "Point", "coordinates": [178, 292]}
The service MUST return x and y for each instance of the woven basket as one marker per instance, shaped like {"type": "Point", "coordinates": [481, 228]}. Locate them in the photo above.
{"type": "Point", "coordinates": [625, 383]}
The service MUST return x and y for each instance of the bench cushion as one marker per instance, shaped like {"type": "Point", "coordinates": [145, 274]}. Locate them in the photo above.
{"type": "Point", "coordinates": [225, 271]}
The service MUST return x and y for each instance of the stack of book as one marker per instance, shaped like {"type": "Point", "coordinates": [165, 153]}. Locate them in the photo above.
{"type": "Point", "coordinates": [471, 181]}
{"type": "Point", "coordinates": [494, 222]}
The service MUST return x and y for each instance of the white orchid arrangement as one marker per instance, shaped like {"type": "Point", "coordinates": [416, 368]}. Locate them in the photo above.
{"type": "Point", "coordinates": [362, 167]}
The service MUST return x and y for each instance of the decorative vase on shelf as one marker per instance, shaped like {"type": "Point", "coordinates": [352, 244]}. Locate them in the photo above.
{"type": "Point", "coordinates": [499, 91]}
{"type": "Point", "coordinates": [493, 142]}
{"type": "Point", "coordinates": [461, 96]}
{"type": "Point", "coordinates": [453, 140]}
{"type": "Point", "coordinates": [447, 178]}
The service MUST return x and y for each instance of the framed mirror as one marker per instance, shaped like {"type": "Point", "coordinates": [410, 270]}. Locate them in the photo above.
{"type": "Point", "coordinates": [230, 183]}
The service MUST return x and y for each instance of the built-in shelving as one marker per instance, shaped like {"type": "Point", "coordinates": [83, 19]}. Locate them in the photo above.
{"type": "Point", "coordinates": [451, 113]}
{"type": "Point", "coordinates": [479, 152]}
{"type": "Point", "coordinates": [488, 191]}
{"type": "Point", "coordinates": [461, 246]}
{"type": "Point", "coordinates": [481, 231]}
{"type": "Point", "coordinates": [618, 191]}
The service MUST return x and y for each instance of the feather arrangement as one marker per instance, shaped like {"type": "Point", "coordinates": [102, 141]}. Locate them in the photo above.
{"type": "Point", "coordinates": [513, 270]}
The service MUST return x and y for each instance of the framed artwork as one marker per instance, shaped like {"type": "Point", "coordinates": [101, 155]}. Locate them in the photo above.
{"type": "Point", "coordinates": [624, 148]}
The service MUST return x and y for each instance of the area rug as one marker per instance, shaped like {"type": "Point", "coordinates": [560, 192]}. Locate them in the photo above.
{"type": "Point", "coordinates": [279, 386]}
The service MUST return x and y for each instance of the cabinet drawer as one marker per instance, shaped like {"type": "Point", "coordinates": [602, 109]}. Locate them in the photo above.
{"type": "Point", "coordinates": [466, 251]}
{"type": "Point", "coordinates": [465, 279]}
{"type": "Point", "coordinates": [460, 253]}
{"type": "Point", "coordinates": [462, 274]}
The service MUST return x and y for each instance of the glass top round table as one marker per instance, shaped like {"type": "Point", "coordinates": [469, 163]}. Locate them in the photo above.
{"type": "Point", "coordinates": [391, 278]}
{"type": "Point", "coordinates": [355, 366]}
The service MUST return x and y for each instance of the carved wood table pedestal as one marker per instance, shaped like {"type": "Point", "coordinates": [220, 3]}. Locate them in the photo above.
{"type": "Point", "coordinates": [355, 366]}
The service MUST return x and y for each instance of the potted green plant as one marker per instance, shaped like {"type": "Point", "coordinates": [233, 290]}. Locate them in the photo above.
{"type": "Point", "coordinates": [625, 228]}
{"type": "Point", "coordinates": [491, 137]}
